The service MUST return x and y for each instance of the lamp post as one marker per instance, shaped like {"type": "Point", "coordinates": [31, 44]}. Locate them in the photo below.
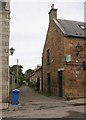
{"type": "Point", "coordinates": [9, 52]}
{"type": "Point", "coordinates": [79, 49]}
{"type": "Point", "coordinates": [17, 71]}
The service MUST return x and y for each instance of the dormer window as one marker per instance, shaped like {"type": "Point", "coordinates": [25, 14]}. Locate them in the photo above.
{"type": "Point", "coordinates": [82, 27]}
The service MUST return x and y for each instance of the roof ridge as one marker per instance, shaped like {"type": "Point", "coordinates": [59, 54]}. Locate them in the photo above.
{"type": "Point", "coordinates": [71, 20]}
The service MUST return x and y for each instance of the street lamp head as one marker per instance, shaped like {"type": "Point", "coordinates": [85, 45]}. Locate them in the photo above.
{"type": "Point", "coordinates": [79, 48]}
{"type": "Point", "coordinates": [11, 50]}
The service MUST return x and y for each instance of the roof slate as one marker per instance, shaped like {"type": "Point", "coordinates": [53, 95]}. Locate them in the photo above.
{"type": "Point", "coordinates": [72, 28]}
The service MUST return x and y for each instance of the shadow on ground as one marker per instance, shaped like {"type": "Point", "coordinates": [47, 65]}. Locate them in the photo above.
{"type": "Point", "coordinates": [76, 115]}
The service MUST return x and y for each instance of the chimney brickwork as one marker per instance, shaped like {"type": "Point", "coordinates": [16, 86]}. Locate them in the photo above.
{"type": "Point", "coordinates": [52, 13]}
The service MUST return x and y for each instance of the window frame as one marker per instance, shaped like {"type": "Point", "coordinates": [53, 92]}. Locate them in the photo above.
{"type": "Point", "coordinates": [48, 56]}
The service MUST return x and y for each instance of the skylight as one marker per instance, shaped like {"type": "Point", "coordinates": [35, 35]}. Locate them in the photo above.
{"type": "Point", "coordinates": [82, 27]}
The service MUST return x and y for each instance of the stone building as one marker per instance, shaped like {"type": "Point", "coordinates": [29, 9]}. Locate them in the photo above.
{"type": "Point", "coordinates": [36, 77]}
{"type": "Point", "coordinates": [32, 78]}
{"type": "Point", "coordinates": [4, 52]}
{"type": "Point", "coordinates": [63, 58]}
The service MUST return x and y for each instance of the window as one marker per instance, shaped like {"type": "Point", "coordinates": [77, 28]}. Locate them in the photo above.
{"type": "Point", "coordinates": [48, 56]}
{"type": "Point", "coordinates": [15, 80]}
{"type": "Point", "coordinates": [3, 5]}
{"type": "Point", "coordinates": [84, 65]}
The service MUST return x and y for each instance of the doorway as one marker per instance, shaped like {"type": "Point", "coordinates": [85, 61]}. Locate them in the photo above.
{"type": "Point", "coordinates": [60, 77]}
{"type": "Point", "coordinates": [38, 83]}
{"type": "Point", "coordinates": [49, 82]}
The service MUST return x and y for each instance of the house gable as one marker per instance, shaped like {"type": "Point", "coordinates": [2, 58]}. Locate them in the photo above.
{"type": "Point", "coordinates": [53, 31]}
{"type": "Point", "coordinates": [64, 39]}
{"type": "Point", "coordinates": [54, 46]}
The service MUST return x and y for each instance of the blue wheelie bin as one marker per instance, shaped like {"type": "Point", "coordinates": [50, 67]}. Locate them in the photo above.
{"type": "Point", "coordinates": [15, 97]}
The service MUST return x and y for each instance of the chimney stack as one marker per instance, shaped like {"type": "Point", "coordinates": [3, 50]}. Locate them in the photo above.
{"type": "Point", "coordinates": [52, 13]}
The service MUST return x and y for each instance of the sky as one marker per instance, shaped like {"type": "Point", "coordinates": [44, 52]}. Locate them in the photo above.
{"type": "Point", "coordinates": [29, 24]}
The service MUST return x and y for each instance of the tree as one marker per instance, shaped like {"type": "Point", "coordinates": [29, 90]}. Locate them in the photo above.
{"type": "Point", "coordinates": [28, 73]}
{"type": "Point", "coordinates": [17, 70]}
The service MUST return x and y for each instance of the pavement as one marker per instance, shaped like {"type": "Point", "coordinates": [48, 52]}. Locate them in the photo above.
{"type": "Point", "coordinates": [35, 105]}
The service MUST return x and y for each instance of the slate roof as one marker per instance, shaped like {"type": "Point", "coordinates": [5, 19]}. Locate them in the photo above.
{"type": "Point", "coordinates": [72, 28]}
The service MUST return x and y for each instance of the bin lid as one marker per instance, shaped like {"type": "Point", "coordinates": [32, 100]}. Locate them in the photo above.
{"type": "Point", "coordinates": [16, 90]}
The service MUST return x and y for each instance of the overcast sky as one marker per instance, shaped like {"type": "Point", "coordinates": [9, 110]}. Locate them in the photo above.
{"type": "Point", "coordinates": [29, 24]}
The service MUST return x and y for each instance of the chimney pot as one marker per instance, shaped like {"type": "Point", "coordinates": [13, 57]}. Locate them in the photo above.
{"type": "Point", "coordinates": [52, 6]}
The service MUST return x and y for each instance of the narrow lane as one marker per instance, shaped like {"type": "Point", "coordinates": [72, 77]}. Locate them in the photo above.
{"type": "Point", "coordinates": [34, 105]}
{"type": "Point", "coordinates": [27, 94]}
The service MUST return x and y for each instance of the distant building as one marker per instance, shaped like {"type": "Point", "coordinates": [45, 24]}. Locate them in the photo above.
{"type": "Point", "coordinates": [63, 58]}
{"type": "Point", "coordinates": [4, 51]}
{"type": "Point", "coordinates": [36, 77]}
{"type": "Point", "coordinates": [32, 78]}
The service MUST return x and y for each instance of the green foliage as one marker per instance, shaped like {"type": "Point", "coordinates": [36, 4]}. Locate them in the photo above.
{"type": "Point", "coordinates": [17, 70]}
{"type": "Point", "coordinates": [28, 73]}
{"type": "Point", "coordinates": [20, 77]}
